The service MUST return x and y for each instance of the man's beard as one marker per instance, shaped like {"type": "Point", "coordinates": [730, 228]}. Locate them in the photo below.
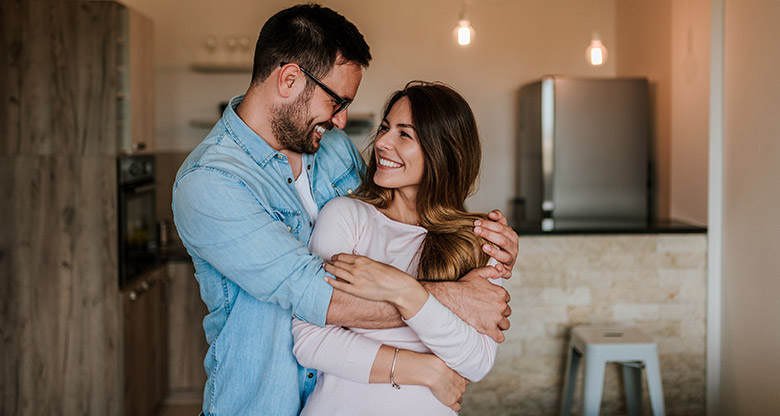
{"type": "Point", "coordinates": [293, 127]}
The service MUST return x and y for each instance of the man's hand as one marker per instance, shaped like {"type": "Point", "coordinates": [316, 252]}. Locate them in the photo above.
{"type": "Point", "coordinates": [474, 299]}
{"type": "Point", "coordinates": [504, 239]}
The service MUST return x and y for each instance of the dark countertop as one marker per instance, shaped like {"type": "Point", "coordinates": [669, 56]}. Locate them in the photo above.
{"type": "Point", "coordinates": [173, 252]}
{"type": "Point", "coordinates": [608, 226]}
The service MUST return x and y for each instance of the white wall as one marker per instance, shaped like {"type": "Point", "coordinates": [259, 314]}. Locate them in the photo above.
{"type": "Point", "coordinates": [668, 42]}
{"type": "Point", "coordinates": [643, 43]}
{"type": "Point", "coordinates": [516, 42]}
{"type": "Point", "coordinates": [751, 197]}
{"type": "Point", "coordinates": [690, 60]}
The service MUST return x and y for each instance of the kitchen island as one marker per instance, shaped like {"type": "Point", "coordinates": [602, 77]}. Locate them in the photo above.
{"type": "Point", "coordinates": [652, 278]}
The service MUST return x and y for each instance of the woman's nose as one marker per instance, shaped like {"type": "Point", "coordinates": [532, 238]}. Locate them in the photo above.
{"type": "Point", "coordinates": [382, 142]}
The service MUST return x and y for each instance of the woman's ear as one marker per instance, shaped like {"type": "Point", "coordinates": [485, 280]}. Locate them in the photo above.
{"type": "Point", "coordinates": [286, 83]}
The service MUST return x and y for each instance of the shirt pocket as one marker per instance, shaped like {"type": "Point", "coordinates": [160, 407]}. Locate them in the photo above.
{"type": "Point", "coordinates": [290, 218]}
{"type": "Point", "coordinates": [346, 183]}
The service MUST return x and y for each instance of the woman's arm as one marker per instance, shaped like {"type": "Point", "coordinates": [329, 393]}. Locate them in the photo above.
{"type": "Point", "coordinates": [460, 346]}
{"type": "Point", "coordinates": [334, 349]}
{"type": "Point", "coordinates": [341, 352]}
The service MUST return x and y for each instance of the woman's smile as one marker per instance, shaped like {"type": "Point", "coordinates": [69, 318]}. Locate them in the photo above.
{"type": "Point", "coordinates": [386, 163]}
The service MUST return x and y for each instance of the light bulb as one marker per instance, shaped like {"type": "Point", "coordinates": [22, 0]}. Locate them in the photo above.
{"type": "Point", "coordinates": [464, 33]}
{"type": "Point", "coordinates": [596, 53]}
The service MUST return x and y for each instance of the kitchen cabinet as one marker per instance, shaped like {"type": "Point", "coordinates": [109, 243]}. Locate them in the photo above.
{"type": "Point", "coordinates": [62, 318]}
{"type": "Point", "coordinates": [187, 344]}
{"type": "Point", "coordinates": [135, 89]}
{"type": "Point", "coordinates": [77, 79]}
{"type": "Point", "coordinates": [145, 332]}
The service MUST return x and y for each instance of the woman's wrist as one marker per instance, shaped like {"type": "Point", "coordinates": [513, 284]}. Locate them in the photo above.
{"type": "Point", "coordinates": [418, 369]}
{"type": "Point", "coordinates": [410, 299]}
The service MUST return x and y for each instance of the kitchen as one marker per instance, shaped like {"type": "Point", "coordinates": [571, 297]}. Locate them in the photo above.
{"type": "Point", "coordinates": [516, 42]}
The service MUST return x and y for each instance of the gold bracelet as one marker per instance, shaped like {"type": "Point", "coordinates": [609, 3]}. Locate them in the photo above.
{"type": "Point", "coordinates": [392, 371]}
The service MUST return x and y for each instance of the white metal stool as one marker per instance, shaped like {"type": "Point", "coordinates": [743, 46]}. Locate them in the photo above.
{"type": "Point", "coordinates": [599, 346]}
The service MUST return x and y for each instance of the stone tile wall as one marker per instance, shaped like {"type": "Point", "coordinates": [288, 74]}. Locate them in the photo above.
{"type": "Point", "coordinates": [656, 283]}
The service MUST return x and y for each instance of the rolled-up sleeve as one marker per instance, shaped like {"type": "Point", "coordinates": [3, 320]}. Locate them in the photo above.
{"type": "Point", "coordinates": [223, 222]}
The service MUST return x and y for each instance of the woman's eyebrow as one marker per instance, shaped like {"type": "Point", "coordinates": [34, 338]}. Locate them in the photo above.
{"type": "Point", "coordinates": [406, 126]}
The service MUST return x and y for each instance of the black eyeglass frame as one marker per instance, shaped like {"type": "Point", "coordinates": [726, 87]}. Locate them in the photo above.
{"type": "Point", "coordinates": [342, 103]}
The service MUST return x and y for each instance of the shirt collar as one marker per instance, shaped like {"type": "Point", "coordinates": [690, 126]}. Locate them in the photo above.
{"type": "Point", "coordinates": [254, 145]}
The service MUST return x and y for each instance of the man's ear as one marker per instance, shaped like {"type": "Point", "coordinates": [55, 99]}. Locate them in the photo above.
{"type": "Point", "coordinates": [288, 81]}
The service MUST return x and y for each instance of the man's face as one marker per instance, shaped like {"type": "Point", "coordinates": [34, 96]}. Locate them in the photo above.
{"type": "Point", "coordinates": [299, 126]}
{"type": "Point", "coordinates": [293, 126]}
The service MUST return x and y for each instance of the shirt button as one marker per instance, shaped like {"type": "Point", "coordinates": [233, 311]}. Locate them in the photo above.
{"type": "Point", "coordinates": [310, 224]}
{"type": "Point", "coordinates": [289, 180]}
{"type": "Point", "coordinates": [289, 228]}
{"type": "Point", "coordinates": [349, 191]}
{"type": "Point", "coordinates": [308, 166]}
{"type": "Point", "coordinates": [311, 375]}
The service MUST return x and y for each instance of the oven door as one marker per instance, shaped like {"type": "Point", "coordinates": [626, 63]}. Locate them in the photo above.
{"type": "Point", "coordinates": [138, 247]}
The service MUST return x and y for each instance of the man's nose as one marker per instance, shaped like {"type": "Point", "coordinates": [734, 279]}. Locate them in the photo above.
{"type": "Point", "coordinates": [339, 120]}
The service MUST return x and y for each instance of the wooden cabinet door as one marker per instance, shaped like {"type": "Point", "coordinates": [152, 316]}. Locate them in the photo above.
{"type": "Point", "coordinates": [145, 343]}
{"type": "Point", "coordinates": [141, 66]}
{"type": "Point", "coordinates": [187, 346]}
{"type": "Point", "coordinates": [135, 92]}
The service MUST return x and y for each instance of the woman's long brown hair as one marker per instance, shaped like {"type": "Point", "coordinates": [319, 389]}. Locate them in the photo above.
{"type": "Point", "coordinates": [447, 132]}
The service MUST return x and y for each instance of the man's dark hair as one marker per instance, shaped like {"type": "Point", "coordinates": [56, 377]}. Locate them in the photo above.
{"type": "Point", "coordinates": [311, 36]}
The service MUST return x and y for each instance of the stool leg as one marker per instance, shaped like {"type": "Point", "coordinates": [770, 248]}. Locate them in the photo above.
{"type": "Point", "coordinates": [572, 365]}
{"type": "Point", "coordinates": [653, 370]}
{"type": "Point", "coordinates": [593, 385]}
{"type": "Point", "coordinates": [632, 379]}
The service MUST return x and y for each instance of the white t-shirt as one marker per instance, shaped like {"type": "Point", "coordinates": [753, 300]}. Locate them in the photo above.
{"type": "Point", "coordinates": [304, 192]}
{"type": "Point", "coordinates": [344, 357]}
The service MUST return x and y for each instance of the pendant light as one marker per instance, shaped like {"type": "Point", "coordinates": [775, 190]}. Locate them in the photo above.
{"type": "Point", "coordinates": [463, 32]}
{"type": "Point", "coordinates": [596, 53]}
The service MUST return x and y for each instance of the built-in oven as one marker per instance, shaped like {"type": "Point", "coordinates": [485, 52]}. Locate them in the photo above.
{"type": "Point", "coordinates": [138, 242]}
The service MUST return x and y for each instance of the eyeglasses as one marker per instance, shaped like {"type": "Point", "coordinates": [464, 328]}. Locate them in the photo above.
{"type": "Point", "coordinates": [341, 103]}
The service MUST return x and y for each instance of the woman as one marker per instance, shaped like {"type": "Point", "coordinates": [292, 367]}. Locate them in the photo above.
{"type": "Point", "coordinates": [409, 213]}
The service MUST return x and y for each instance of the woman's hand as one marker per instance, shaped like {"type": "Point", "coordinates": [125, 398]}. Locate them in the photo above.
{"type": "Point", "coordinates": [420, 369]}
{"type": "Point", "coordinates": [504, 239]}
{"type": "Point", "coordinates": [369, 279]}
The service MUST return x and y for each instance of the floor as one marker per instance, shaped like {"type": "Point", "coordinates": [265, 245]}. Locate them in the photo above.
{"type": "Point", "coordinates": [180, 410]}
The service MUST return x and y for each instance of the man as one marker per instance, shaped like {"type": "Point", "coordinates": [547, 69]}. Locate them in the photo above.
{"type": "Point", "coordinates": [245, 202]}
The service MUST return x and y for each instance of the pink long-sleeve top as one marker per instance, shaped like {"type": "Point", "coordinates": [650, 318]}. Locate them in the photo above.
{"type": "Point", "coordinates": [344, 356]}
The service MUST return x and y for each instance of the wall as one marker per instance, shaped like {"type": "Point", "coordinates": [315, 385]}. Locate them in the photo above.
{"type": "Point", "coordinates": [690, 58]}
{"type": "Point", "coordinates": [668, 42]}
{"type": "Point", "coordinates": [656, 283]}
{"type": "Point", "coordinates": [643, 45]}
{"type": "Point", "coordinates": [516, 42]}
{"type": "Point", "coordinates": [751, 265]}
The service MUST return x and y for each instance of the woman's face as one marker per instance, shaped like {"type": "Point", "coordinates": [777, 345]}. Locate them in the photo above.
{"type": "Point", "coordinates": [399, 157]}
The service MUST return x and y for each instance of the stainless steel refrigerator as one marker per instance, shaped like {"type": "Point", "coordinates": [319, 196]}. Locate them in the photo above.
{"type": "Point", "coordinates": [583, 151]}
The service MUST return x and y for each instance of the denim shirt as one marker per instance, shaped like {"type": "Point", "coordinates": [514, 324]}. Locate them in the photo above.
{"type": "Point", "coordinates": [240, 217]}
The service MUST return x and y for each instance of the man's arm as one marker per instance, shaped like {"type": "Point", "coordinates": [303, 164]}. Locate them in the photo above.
{"type": "Point", "coordinates": [224, 224]}
{"type": "Point", "coordinates": [473, 298]}
{"type": "Point", "coordinates": [349, 310]}
{"type": "Point", "coordinates": [482, 304]}
{"type": "Point", "coordinates": [476, 300]}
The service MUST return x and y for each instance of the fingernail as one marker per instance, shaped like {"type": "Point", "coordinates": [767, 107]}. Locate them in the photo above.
{"type": "Point", "coordinates": [477, 223]}
{"type": "Point", "coordinates": [477, 230]}
{"type": "Point", "coordinates": [487, 247]}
